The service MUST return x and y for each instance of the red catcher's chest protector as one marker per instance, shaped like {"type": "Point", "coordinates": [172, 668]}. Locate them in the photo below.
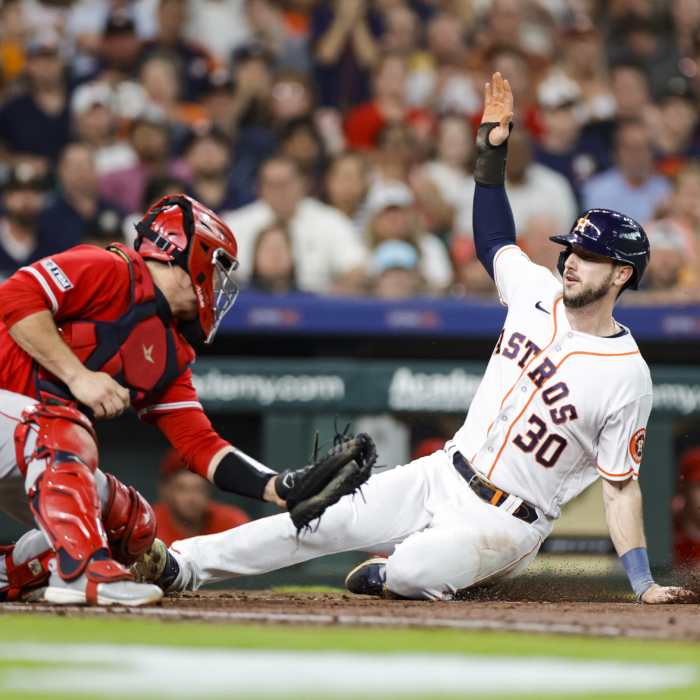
{"type": "Point", "coordinates": [140, 350]}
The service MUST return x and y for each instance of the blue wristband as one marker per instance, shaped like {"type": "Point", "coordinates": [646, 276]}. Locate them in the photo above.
{"type": "Point", "coordinates": [636, 563]}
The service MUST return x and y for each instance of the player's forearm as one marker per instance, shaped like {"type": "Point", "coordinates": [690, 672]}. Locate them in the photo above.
{"type": "Point", "coordinates": [493, 223]}
{"type": "Point", "coordinates": [623, 512]}
{"type": "Point", "coordinates": [37, 335]}
{"type": "Point", "coordinates": [235, 472]}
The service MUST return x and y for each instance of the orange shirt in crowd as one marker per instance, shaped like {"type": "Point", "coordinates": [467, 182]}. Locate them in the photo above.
{"type": "Point", "coordinates": [219, 517]}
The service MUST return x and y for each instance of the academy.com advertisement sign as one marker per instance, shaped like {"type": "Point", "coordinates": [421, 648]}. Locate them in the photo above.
{"type": "Point", "coordinates": [376, 386]}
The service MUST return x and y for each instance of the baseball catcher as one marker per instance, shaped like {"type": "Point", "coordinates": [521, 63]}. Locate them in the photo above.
{"type": "Point", "coordinates": [564, 401]}
{"type": "Point", "coordinates": [83, 335]}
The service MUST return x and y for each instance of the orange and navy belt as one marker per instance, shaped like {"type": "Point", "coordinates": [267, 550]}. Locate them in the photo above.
{"type": "Point", "coordinates": [489, 493]}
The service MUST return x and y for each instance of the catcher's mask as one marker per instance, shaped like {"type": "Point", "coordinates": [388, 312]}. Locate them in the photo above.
{"type": "Point", "coordinates": [181, 230]}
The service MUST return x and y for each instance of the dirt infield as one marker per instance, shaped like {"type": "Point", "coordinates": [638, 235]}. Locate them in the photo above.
{"type": "Point", "coordinates": [606, 619]}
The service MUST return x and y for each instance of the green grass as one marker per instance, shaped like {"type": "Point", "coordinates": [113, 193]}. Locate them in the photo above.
{"type": "Point", "coordinates": [25, 628]}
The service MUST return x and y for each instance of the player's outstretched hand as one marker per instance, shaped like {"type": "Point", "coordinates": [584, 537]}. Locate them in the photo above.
{"type": "Point", "coordinates": [658, 595]}
{"type": "Point", "coordinates": [498, 107]}
{"type": "Point", "coordinates": [100, 393]}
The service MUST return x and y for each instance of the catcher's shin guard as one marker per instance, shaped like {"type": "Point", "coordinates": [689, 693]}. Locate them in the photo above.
{"type": "Point", "coordinates": [64, 498]}
{"type": "Point", "coordinates": [129, 521]}
{"type": "Point", "coordinates": [23, 579]}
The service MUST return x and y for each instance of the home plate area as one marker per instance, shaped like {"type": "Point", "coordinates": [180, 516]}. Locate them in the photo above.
{"type": "Point", "coordinates": [621, 617]}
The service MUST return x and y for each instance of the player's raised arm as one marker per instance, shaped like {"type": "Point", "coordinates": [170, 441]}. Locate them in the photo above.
{"type": "Point", "coordinates": [493, 222]}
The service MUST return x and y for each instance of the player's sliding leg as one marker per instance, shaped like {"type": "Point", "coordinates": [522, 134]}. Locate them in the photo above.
{"type": "Point", "coordinates": [57, 452]}
{"type": "Point", "coordinates": [396, 504]}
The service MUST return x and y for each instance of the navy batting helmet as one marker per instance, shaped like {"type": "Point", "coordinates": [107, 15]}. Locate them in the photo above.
{"type": "Point", "coordinates": [609, 233]}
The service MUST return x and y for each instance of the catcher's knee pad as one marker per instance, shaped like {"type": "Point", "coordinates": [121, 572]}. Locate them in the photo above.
{"type": "Point", "coordinates": [64, 498]}
{"type": "Point", "coordinates": [63, 434]}
{"type": "Point", "coordinates": [129, 521]}
{"type": "Point", "coordinates": [26, 577]}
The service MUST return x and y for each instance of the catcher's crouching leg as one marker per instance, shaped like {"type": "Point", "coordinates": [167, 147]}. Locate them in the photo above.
{"type": "Point", "coordinates": [65, 503]}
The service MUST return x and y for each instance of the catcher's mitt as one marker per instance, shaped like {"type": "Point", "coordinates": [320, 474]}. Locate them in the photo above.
{"type": "Point", "coordinates": [309, 491]}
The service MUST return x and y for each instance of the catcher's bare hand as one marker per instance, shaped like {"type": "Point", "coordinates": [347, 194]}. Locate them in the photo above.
{"type": "Point", "coordinates": [100, 393]}
{"type": "Point", "coordinates": [498, 107]}
{"type": "Point", "coordinates": [658, 595]}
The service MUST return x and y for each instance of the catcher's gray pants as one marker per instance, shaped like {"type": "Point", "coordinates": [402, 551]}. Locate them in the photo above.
{"type": "Point", "coordinates": [439, 535]}
{"type": "Point", "coordinates": [14, 486]}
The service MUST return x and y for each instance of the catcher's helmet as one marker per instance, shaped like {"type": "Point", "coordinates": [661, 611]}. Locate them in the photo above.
{"type": "Point", "coordinates": [609, 233]}
{"type": "Point", "coordinates": [181, 230]}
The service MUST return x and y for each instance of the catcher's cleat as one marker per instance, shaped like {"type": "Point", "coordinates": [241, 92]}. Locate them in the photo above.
{"type": "Point", "coordinates": [368, 578]}
{"type": "Point", "coordinates": [100, 586]}
{"type": "Point", "coordinates": [157, 566]}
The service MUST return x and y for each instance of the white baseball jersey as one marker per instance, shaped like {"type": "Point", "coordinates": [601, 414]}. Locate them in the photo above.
{"type": "Point", "coordinates": [556, 408]}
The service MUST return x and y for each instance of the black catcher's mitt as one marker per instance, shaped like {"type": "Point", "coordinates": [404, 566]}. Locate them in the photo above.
{"type": "Point", "coordinates": [309, 491]}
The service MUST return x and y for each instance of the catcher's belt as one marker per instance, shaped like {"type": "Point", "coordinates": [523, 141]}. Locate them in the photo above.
{"type": "Point", "coordinates": [488, 492]}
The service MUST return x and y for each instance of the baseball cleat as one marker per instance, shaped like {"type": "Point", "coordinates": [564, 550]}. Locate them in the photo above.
{"type": "Point", "coordinates": [157, 566]}
{"type": "Point", "coordinates": [125, 593]}
{"type": "Point", "coordinates": [368, 578]}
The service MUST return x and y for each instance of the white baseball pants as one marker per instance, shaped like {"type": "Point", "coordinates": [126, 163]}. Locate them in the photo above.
{"type": "Point", "coordinates": [439, 535]}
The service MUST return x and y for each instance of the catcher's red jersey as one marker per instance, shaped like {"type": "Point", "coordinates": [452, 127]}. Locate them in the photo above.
{"type": "Point", "coordinates": [114, 319]}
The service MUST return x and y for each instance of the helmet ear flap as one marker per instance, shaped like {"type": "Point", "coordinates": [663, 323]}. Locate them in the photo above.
{"type": "Point", "coordinates": [562, 259]}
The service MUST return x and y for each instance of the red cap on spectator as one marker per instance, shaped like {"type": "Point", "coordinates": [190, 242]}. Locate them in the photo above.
{"type": "Point", "coordinates": [427, 447]}
{"type": "Point", "coordinates": [171, 464]}
{"type": "Point", "coordinates": [690, 465]}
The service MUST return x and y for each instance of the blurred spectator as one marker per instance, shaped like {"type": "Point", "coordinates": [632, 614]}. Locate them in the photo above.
{"type": "Point", "coordinates": [402, 35]}
{"type": "Point", "coordinates": [394, 271]}
{"type": "Point", "coordinates": [542, 251]}
{"type": "Point", "coordinates": [365, 123]}
{"type": "Point", "coordinates": [13, 36]}
{"type": "Point", "coordinates": [674, 136]}
{"type": "Point", "coordinates": [631, 187]}
{"type": "Point", "coordinates": [156, 189]}
{"type": "Point", "coordinates": [301, 142]}
{"type": "Point", "coordinates": [451, 170]}
{"type": "Point", "coordinates": [565, 146]}
{"type": "Point", "coordinates": [220, 25]}
{"type": "Point", "coordinates": [22, 201]}
{"type": "Point", "coordinates": [345, 39]}
{"type": "Point", "coordinates": [273, 261]}
{"type": "Point", "coordinates": [292, 98]}
{"type": "Point", "coordinates": [185, 507]}
{"type": "Point", "coordinates": [585, 62]}
{"type": "Point", "coordinates": [208, 156]}
{"type": "Point", "coordinates": [120, 49]}
{"type": "Point", "coordinates": [444, 86]}
{"type": "Point", "coordinates": [252, 144]}
{"type": "Point", "coordinates": [253, 77]}
{"type": "Point", "coordinates": [77, 212]}
{"type": "Point", "coordinates": [325, 246]}
{"type": "Point", "coordinates": [95, 123]}
{"type": "Point", "coordinates": [683, 209]}
{"type": "Point", "coordinates": [686, 509]}
{"type": "Point", "coordinates": [267, 22]}
{"type": "Point", "coordinates": [643, 42]}
{"type": "Point", "coordinates": [533, 190]}
{"type": "Point", "coordinates": [346, 187]}
{"type": "Point", "coordinates": [391, 216]}
{"type": "Point", "coordinates": [685, 20]}
{"type": "Point", "coordinates": [38, 124]}
{"type": "Point", "coordinates": [160, 78]}
{"type": "Point", "coordinates": [125, 188]}
{"type": "Point", "coordinates": [667, 279]}
{"type": "Point", "coordinates": [631, 90]}
{"type": "Point", "coordinates": [196, 63]}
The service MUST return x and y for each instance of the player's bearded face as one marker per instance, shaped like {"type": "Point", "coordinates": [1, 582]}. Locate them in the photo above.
{"type": "Point", "coordinates": [586, 292]}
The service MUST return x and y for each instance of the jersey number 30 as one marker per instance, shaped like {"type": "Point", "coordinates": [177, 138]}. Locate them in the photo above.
{"type": "Point", "coordinates": [549, 451]}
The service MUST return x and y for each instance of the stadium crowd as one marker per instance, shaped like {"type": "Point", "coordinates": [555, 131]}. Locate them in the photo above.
{"type": "Point", "coordinates": [336, 137]}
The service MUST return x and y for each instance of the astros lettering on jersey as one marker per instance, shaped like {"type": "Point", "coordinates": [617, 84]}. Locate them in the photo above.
{"type": "Point", "coordinates": [556, 408]}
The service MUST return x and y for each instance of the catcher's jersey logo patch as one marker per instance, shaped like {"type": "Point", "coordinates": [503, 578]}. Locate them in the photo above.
{"type": "Point", "coordinates": [637, 445]}
{"type": "Point", "coordinates": [59, 277]}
